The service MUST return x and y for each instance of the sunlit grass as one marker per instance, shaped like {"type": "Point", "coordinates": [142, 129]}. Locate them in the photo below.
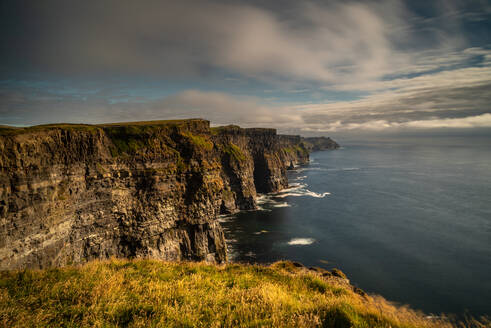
{"type": "Point", "coordinates": [149, 293]}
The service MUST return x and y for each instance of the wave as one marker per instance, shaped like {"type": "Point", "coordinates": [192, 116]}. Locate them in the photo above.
{"type": "Point", "coordinates": [224, 218]}
{"type": "Point", "coordinates": [299, 190]}
{"type": "Point", "coordinates": [301, 241]}
{"type": "Point", "coordinates": [294, 186]}
{"type": "Point", "coordinates": [284, 204]}
{"type": "Point", "coordinates": [334, 169]}
{"type": "Point", "coordinates": [266, 202]}
{"type": "Point", "coordinates": [317, 195]}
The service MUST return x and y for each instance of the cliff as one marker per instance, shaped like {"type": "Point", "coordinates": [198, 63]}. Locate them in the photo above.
{"type": "Point", "coordinates": [294, 150]}
{"type": "Point", "coordinates": [73, 193]}
{"type": "Point", "coordinates": [320, 143]}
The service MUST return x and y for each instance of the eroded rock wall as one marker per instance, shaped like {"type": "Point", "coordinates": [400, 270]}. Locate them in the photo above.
{"type": "Point", "coordinates": [294, 150]}
{"type": "Point", "coordinates": [320, 143]}
{"type": "Point", "coordinates": [72, 193]}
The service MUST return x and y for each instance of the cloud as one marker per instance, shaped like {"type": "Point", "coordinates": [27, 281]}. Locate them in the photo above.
{"type": "Point", "coordinates": [479, 121]}
{"type": "Point", "coordinates": [223, 108]}
{"type": "Point", "coordinates": [429, 108]}
{"type": "Point", "coordinates": [34, 106]}
{"type": "Point", "coordinates": [339, 44]}
{"type": "Point", "coordinates": [412, 71]}
{"type": "Point", "coordinates": [452, 95]}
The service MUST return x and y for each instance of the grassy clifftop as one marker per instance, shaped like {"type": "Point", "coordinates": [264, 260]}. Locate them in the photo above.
{"type": "Point", "coordinates": [148, 293]}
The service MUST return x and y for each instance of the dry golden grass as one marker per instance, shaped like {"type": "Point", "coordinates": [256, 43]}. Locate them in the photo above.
{"type": "Point", "coordinates": [149, 293]}
{"type": "Point", "coordinates": [6, 130]}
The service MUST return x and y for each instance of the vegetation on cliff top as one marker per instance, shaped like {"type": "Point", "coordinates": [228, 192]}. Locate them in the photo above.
{"type": "Point", "coordinates": [199, 140]}
{"type": "Point", "coordinates": [150, 293]}
{"type": "Point", "coordinates": [297, 149]}
{"type": "Point", "coordinates": [137, 127]}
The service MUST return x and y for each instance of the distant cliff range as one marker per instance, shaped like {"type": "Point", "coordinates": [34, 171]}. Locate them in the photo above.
{"type": "Point", "coordinates": [320, 143]}
{"type": "Point", "coordinates": [71, 193]}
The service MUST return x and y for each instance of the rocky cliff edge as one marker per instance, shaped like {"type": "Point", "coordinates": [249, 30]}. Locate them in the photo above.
{"type": "Point", "coordinates": [72, 193]}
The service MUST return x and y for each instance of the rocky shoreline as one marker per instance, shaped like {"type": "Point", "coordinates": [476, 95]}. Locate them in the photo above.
{"type": "Point", "coordinates": [73, 193]}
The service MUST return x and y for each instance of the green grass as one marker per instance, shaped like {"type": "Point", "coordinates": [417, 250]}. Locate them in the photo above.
{"type": "Point", "coordinates": [234, 152]}
{"type": "Point", "coordinates": [136, 127]}
{"type": "Point", "coordinates": [152, 123]}
{"type": "Point", "coordinates": [296, 149]}
{"type": "Point", "coordinates": [199, 141]}
{"type": "Point", "coordinates": [222, 129]}
{"type": "Point", "coordinates": [150, 293]}
{"type": "Point", "coordinates": [128, 139]}
{"type": "Point", "coordinates": [10, 130]}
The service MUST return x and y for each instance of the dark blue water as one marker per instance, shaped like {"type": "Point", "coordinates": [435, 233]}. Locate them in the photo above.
{"type": "Point", "coordinates": [408, 220]}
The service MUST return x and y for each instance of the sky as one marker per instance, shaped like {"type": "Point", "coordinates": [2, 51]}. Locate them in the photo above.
{"type": "Point", "coordinates": [303, 67]}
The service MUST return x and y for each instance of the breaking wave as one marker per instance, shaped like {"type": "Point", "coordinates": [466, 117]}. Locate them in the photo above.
{"type": "Point", "coordinates": [301, 241]}
{"type": "Point", "coordinates": [299, 190]}
{"type": "Point", "coordinates": [224, 218]}
{"type": "Point", "coordinates": [332, 169]}
{"type": "Point", "coordinates": [266, 202]}
{"type": "Point", "coordinates": [284, 204]}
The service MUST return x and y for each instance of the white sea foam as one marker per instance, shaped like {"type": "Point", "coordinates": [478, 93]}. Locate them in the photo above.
{"type": "Point", "coordinates": [317, 195]}
{"type": "Point", "coordinates": [330, 169]}
{"type": "Point", "coordinates": [291, 194]}
{"type": "Point", "coordinates": [261, 199]}
{"type": "Point", "coordinates": [265, 202]}
{"type": "Point", "coordinates": [299, 190]}
{"type": "Point", "coordinates": [263, 209]}
{"type": "Point", "coordinates": [301, 241]}
{"type": "Point", "coordinates": [284, 204]}
{"type": "Point", "coordinates": [294, 186]}
{"type": "Point", "coordinates": [303, 169]}
{"type": "Point", "coordinates": [224, 218]}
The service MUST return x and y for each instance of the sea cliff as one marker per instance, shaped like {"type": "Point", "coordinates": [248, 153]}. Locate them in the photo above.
{"type": "Point", "coordinates": [73, 193]}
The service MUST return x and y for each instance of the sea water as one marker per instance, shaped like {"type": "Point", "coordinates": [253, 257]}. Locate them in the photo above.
{"type": "Point", "coordinates": [407, 219]}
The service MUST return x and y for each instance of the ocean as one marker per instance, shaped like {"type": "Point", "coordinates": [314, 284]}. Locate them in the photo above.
{"type": "Point", "coordinates": [409, 219]}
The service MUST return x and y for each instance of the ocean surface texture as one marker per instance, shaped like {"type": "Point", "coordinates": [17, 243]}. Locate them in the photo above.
{"type": "Point", "coordinates": [407, 219]}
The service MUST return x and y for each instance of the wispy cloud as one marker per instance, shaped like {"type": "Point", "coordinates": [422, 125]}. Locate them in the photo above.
{"type": "Point", "coordinates": [338, 44]}
{"type": "Point", "coordinates": [449, 94]}
{"type": "Point", "coordinates": [413, 71]}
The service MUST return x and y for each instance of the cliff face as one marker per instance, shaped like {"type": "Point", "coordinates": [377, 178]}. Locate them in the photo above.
{"type": "Point", "coordinates": [72, 193]}
{"type": "Point", "coordinates": [294, 150]}
{"type": "Point", "coordinates": [320, 143]}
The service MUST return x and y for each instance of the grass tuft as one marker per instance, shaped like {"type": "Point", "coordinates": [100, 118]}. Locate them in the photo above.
{"type": "Point", "coordinates": [150, 293]}
{"type": "Point", "coordinates": [199, 141]}
{"type": "Point", "coordinates": [234, 152]}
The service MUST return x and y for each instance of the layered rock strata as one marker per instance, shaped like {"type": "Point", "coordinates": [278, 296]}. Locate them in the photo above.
{"type": "Point", "coordinates": [73, 193]}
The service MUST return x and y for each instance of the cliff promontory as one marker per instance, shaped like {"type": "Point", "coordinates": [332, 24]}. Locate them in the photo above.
{"type": "Point", "coordinates": [73, 193]}
{"type": "Point", "coordinates": [320, 143]}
